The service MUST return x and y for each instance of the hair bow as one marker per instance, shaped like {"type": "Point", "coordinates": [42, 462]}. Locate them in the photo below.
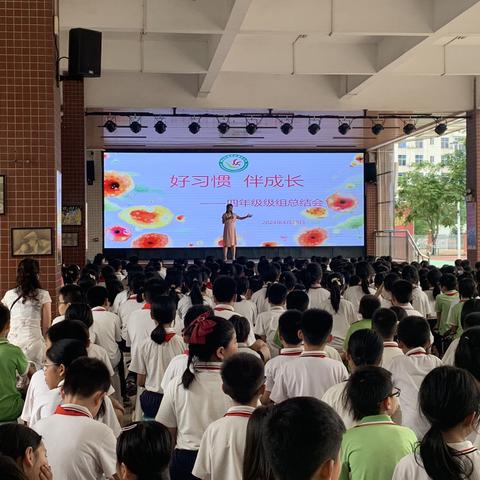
{"type": "Point", "coordinates": [196, 333]}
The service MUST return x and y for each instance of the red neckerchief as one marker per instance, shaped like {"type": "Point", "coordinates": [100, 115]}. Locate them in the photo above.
{"type": "Point", "coordinates": [459, 453]}
{"type": "Point", "coordinates": [185, 352]}
{"type": "Point", "coordinates": [70, 412]}
{"type": "Point", "coordinates": [169, 336]}
{"type": "Point", "coordinates": [147, 306]}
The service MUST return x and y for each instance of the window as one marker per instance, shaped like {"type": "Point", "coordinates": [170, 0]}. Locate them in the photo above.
{"type": "Point", "coordinates": [402, 145]}
{"type": "Point", "coordinates": [444, 142]}
{"type": "Point", "coordinates": [432, 141]}
{"type": "Point", "coordinates": [418, 143]}
{"type": "Point", "coordinates": [418, 158]}
{"type": "Point", "coordinates": [402, 160]}
{"type": "Point", "coordinates": [432, 158]}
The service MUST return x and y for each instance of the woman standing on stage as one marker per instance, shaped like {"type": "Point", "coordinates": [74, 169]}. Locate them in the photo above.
{"type": "Point", "coordinates": [229, 231]}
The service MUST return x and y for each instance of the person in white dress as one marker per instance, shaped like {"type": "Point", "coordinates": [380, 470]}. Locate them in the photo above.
{"type": "Point", "coordinates": [31, 312]}
{"type": "Point", "coordinates": [450, 400]}
{"type": "Point", "coordinates": [354, 294]}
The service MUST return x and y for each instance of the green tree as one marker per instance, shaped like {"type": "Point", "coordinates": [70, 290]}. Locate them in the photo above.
{"type": "Point", "coordinates": [429, 194]}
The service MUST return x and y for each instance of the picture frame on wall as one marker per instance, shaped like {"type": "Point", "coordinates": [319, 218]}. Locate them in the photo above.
{"type": "Point", "coordinates": [72, 215]}
{"type": "Point", "coordinates": [35, 241]}
{"type": "Point", "coordinates": [69, 239]}
{"type": "Point", "coordinates": [3, 194]}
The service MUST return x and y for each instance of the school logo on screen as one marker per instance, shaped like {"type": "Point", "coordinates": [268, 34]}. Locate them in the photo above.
{"type": "Point", "coordinates": [233, 163]}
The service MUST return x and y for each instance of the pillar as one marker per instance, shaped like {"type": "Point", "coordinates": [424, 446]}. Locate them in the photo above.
{"type": "Point", "coordinates": [371, 218]}
{"type": "Point", "coordinates": [29, 133]}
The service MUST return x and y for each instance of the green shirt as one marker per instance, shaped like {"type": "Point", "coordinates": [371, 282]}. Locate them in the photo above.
{"type": "Point", "coordinates": [360, 325]}
{"type": "Point", "coordinates": [12, 361]}
{"type": "Point", "coordinates": [443, 302]}
{"type": "Point", "coordinates": [456, 317]}
{"type": "Point", "coordinates": [372, 449]}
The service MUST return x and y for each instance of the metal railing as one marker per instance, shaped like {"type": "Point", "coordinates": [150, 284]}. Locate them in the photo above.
{"type": "Point", "coordinates": [399, 245]}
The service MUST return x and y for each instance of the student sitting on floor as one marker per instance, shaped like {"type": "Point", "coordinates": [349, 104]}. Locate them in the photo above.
{"type": "Point", "coordinates": [223, 443]}
{"type": "Point", "coordinates": [373, 447]}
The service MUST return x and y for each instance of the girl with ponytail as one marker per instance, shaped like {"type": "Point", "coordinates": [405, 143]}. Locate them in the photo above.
{"type": "Point", "coordinates": [134, 298]}
{"type": "Point", "coordinates": [155, 354]}
{"type": "Point", "coordinates": [312, 276]}
{"type": "Point", "coordinates": [342, 310]}
{"type": "Point", "coordinates": [450, 400]}
{"type": "Point", "coordinates": [365, 272]}
{"type": "Point", "coordinates": [196, 399]}
{"type": "Point", "coordinates": [194, 286]}
{"type": "Point", "coordinates": [143, 452]}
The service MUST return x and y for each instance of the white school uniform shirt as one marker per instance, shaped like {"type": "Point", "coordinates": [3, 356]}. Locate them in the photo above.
{"type": "Point", "coordinates": [410, 311]}
{"type": "Point", "coordinates": [246, 308]}
{"type": "Point", "coordinates": [390, 351]}
{"type": "Point", "coordinates": [119, 299]}
{"type": "Point", "coordinates": [342, 320]}
{"type": "Point", "coordinates": [78, 447]}
{"type": "Point", "coordinates": [420, 301]}
{"type": "Point", "coordinates": [98, 352]}
{"type": "Point", "coordinates": [317, 296]}
{"type": "Point", "coordinates": [411, 467]}
{"type": "Point", "coordinates": [58, 319]}
{"type": "Point", "coordinates": [139, 327]}
{"type": "Point", "coordinates": [126, 308]}
{"type": "Point", "coordinates": [259, 298]}
{"type": "Point", "coordinates": [408, 372]}
{"type": "Point", "coordinates": [36, 389]}
{"type": "Point", "coordinates": [267, 326]}
{"type": "Point", "coordinates": [431, 302]}
{"type": "Point", "coordinates": [226, 311]}
{"type": "Point", "coordinates": [244, 348]}
{"type": "Point", "coordinates": [332, 353]}
{"type": "Point", "coordinates": [175, 368]}
{"type": "Point", "coordinates": [153, 359]}
{"type": "Point", "coordinates": [192, 411]}
{"type": "Point", "coordinates": [106, 326]}
{"type": "Point", "coordinates": [309, 375]}
{"type": "Point", "coordinates": [334, 397]}
{"type": "Point", "coordinates": [273, 366]}
{"type": "Point", "coordinates": [185, 303]}
{"type": "Point", "coordinates": [449, 357]}
{"type": "Point", "coordinates": [222, 448]}
{"type": "Point", "coordinates": [355, 294]}
{"type": "Point", "coordinates": [25, 323]}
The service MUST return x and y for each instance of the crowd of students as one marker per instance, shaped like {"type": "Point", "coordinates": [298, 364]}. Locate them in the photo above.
{"type": "Point", "coordinates": [318, 369]}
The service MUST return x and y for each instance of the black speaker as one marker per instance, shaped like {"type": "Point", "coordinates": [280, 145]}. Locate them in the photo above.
{"type": "Point", "coordinates": [84, 53]}
{"type": "Point", "coordinates": [370, 173]}
{"type": "Point", "coordinates": [90, 172]}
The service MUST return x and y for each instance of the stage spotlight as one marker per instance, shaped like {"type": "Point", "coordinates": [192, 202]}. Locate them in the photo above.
{"type": "Point", "coordinates": [223, 127]}
{"type": "Point", "coordinates": [377, 128]}
{"type": "Point", "coordinates": [251, 128]}
{"type": "Point", "coordinates": [343, 128]}
{"type": "Point", "coordinates": [409, 128]}
{"type": "Point", "coordinates": [313, 128]}
{"type": "Point", "coordinates": [136, 126]}
{"type": "Point", "coordinates": [110, 125]}
{"type": "Point", "coordinates": [286, 128]}
{"type": "Point", "coordinates": [160, 127]}
{"type": "Point", "coordinates": [194, 128]}
{"type": "Point", "coordinates": [441, 128]}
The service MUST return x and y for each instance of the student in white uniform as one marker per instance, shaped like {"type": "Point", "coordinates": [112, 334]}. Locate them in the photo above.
{"type": "Point", "coordinates": [79, 446]}
{"type": "Point", "coordinates": [419, 297]}
{"type": "Point", "coordinates": [122, 297]}
{"type": "Point", "coordinates": [365, 348]}
{"type": "Point", "coordinates": [449, 399]}
{"type": "Point", "coordinates": [288, 327]}
{"type": "Point", "coordinates": [297, 300]}
{"type": "Point", "coordinates": [242, 330]}
{"type": "Point", "coordinates": [245, 308]}
{"type": "Point", "coordinates": [384, 322]}
{"type": "Point", "coordinates": [342, 311]}
{"type": "Point", "coordinates": [267, 322]}
{"type": "Point", "coordinates": [154, 355]}
{"type": "Point", "coordinates": [302, 439]}
{"type": "Point", "coordinates": [133, 302]}
{"type": "Point", "coordinates": [402, 292]}
{"type": "Point", "coordinates": [312, 373]}
{"type": "Point", "coordinates": [468, 320]}
{"type": "Point", "coordinates": [316, 293]}
{"type": "Point", "coordinates": [26, 448]}
{"type": "Point", "coordinates": [355, 293]}
{"type": "Point", "coordinates": [385, 290]}
{"type": "Point", "coordinates": [143, 451]}
{"type": "Point", "coordinates": [222, 447]}
{"type": "Point", "coordinates": [270, 275]}
{"type": "Point", "coordinates": [31, 312]}
{"type": "Point", "coordinates": [410, 369]}
{"type": "Point", "coordinates": [193, 281]}
{"type": "Point", "coordinates": [194, 400]}
{"type": "Point", "coordinates": [67, 295]}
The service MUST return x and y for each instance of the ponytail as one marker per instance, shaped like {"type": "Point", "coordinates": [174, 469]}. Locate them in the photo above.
{"type": "Point", "coordinates": [365, 286]}
{"type": "Point", "coordinates": [313, 274]}
{"type": "Point", "coordinates": [158, 334]}
{"type": "Point", "coordinates": [363, 270]}
{"type": "Point", "coordinates": [188, 376]}
{"type": "Point", "coordinates": [335, 284]}
{"type": "Point", "coordinates": [196, 293]}
{"type": "Point", "coordinates": [163, 311]}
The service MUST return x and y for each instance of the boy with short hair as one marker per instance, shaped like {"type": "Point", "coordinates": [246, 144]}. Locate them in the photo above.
{"type": "Point", "coordinates": [288, 327]}
{"type": "Point", "coordinates": [312, 373]}
{"type": "Point", "coordinates": [368, 305]}
{"type": "Point", "coordinates": [373, 448]}
{"type": "Point", "coordinates": [267, 322]}
{"type": "Point", "coordinates": [402, 294]}
{"type": "Point", "coordinates": [223, 443]}
{"type": "Point", "coordinates": [467, 290]}
{"type": "Point", "coordinates": [242, 329]}
{"type": "Point", "coordinates": [384, 322]}
{"type": "Point", "coordinates": [297, 300]}
{"type": "Point", "coordinates": [302, 440]}
{"type": "Point", "coordinates": [12, 362]}
{"type": "Point", "coordinates": [67, 295]}
{"type": "Point", "coordinates": [409, 370]}
{"type": "Point", "coordinates": [445, 300]}
{"type": "Point", "coordinates": [79, 446]}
